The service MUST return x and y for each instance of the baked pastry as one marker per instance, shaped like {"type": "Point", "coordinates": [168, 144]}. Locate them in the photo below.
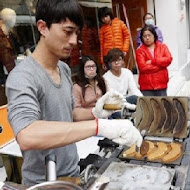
{"type": "Point", "coordinates": [146, 148]}
{"type": "Point", "coordinates": [112, 106]}
{"type": "Point", "coordinates": [138, 155]}
{"type": "Point", "coordinates": [152, 148]}
{"type": "Point", "coordinates": [161, 151]}
{"type": "Point", "coordinates": [174, 154]}
{"type": "Point", "coordinates": [130, 152]}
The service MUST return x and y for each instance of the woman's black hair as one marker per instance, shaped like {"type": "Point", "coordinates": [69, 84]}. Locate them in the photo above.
{"type": "Point", "coordinates": [82, 81]}
{"type": "Point", "coordinates": [55, 11]}
{"type": "Point", "coordinates": [151, 29]}
{"type": "Point", "coordinates": [148, 14]}
{"type": "Point", "coordinates": [103, 12]}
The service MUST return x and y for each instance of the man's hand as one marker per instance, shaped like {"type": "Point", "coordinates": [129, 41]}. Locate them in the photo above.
{"type": "Point", "coordinates": [110, 96]}
{"type": "Point", "coordinates": [120, 131]}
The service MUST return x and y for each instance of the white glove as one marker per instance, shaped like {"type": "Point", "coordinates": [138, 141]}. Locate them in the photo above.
{"type": "Point", "coordinates": [120, 131]}
{"type": "Point", "coordinates": [109, 96]}
{"type": "Point", "coordinates": [129, 106]}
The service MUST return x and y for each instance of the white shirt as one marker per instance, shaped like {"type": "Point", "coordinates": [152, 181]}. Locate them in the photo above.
{"type": "Point", "coordinates": [124, 84]}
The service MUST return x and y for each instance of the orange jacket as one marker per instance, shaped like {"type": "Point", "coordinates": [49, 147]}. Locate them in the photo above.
{"type": "Point", "coordinates": [115, 35]}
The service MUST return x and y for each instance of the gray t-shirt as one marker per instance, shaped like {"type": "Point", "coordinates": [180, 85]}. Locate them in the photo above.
{"type": "Point", "coordinates": [32, 95]}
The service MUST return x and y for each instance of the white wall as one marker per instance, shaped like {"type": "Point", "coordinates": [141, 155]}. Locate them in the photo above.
{"type": "Point", "coordinates": [169, 20]}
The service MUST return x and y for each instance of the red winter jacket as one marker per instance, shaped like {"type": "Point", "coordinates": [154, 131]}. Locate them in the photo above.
{"type": "Point", "coordinates": [153, 76]}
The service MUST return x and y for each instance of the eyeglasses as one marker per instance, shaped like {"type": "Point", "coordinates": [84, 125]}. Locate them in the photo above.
{"type": "Point", "coordinates": [147, 36]}
{"type": "Point", "coordinates": [117, 61]}
{"type": "Point", "coordinates": [89, 67]}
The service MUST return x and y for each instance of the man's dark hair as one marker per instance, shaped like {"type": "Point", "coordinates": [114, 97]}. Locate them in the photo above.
{"type": "Point", "coordinates": [103, 12]}
{"type": "Point", "coordinates": [114, 54]}
{"type": "Point", "coordinates": [82, 81]}
{"type": "Point", "coordinates": [151, 29]}
{"type": "Point", "coordinates": [55, 11]}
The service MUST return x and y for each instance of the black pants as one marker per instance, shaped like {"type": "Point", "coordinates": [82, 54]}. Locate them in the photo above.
{"type": "Point", "coordinates": [161, 92]}
{"type": "Point", "coordinates": [130, 99]}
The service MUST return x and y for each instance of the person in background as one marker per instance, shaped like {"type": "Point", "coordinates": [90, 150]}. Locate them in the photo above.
{"type": "Point", "coordinates": [40, 98]}
{"type": "Point", "coordinates": [148, 19]}
{"type": "Point", "coordinates": [7, 22]}
{"type": "Point", "coordinates": [90, 39]}
{"type": "Point", "coordinates": [89, 86]}
{"type": "Point", "coordinates": [121, 79]}
{"type": "Point", "coordinates": [113, 34]}
{"type": "Point", "coordinates": [153, 58]}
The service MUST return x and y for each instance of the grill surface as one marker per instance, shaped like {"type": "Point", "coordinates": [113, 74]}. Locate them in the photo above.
{"type": "Point", "coordinates": [131, 177]}
{"type": "Point", "coordinates": [165, 119]}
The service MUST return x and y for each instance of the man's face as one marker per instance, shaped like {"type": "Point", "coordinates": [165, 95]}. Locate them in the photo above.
{"type": "Point", "coordinates": [61, 38]}
{"type": "Point", "coordinates": [117, 64]}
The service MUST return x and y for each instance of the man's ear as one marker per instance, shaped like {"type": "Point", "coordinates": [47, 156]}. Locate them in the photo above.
{"type": "Point", "coordinates": [42, 27]}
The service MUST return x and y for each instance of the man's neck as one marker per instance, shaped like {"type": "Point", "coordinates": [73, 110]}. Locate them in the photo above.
{"type": "Point", "coordinates": [116, 73]}
{"type": "Point", "coordinates": [47, 60]}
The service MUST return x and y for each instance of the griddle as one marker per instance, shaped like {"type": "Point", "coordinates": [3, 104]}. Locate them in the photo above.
{"type": "Point", "coordinates": [132, 177]}
{"type": "Point", "coordinates": [170, 125]}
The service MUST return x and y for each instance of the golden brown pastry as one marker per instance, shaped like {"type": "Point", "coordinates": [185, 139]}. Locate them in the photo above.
{"type": "Point", "coordinates": [174, 154]}
{"type": "Point", "coordinates": [152, 148]}
{"type": "Point", "coordinates": [138, 155]}
{"type": "Point", "coordinates": [112, 106]}
{"type": "Point", "coordinates": [161, 151]}
{"type": "Point", "coordinates": [131, 151]}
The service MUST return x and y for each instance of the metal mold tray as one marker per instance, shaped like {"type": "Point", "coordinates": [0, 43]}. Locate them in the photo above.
{"type": "Point", "coordinates": [163, 116]}
{"type": "Point", "coordinates": [176, 162]}
{"type": "Point", "coordinates": [124, 176]}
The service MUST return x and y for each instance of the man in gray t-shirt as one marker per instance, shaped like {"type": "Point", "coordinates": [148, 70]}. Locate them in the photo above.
{"type": "Point", "coordinates": [40, 100]}
{"type": "Point", "coordinates": [29, 78]}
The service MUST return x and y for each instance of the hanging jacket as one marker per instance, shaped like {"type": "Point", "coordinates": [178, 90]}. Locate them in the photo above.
{"type": "Point", "coordinates": [115, 35]}
{"type": "Point", "coordinates": [153, 76]}
{"type": "Point", "coordinates": [6, 52]}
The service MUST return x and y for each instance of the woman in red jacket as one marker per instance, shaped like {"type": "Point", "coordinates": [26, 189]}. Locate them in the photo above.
{"type": "Point", "coordinates": [153, 58]}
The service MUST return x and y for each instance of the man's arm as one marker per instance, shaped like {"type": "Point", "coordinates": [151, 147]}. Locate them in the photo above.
{"type": "Point", "coordinates": [126, 37]}
{"type": "Point", "coordinates": [81, 114]}
{"type": "Point", "coordinates": [132, 87]}
{"type": "Point", "coordinates": [52, 134]}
